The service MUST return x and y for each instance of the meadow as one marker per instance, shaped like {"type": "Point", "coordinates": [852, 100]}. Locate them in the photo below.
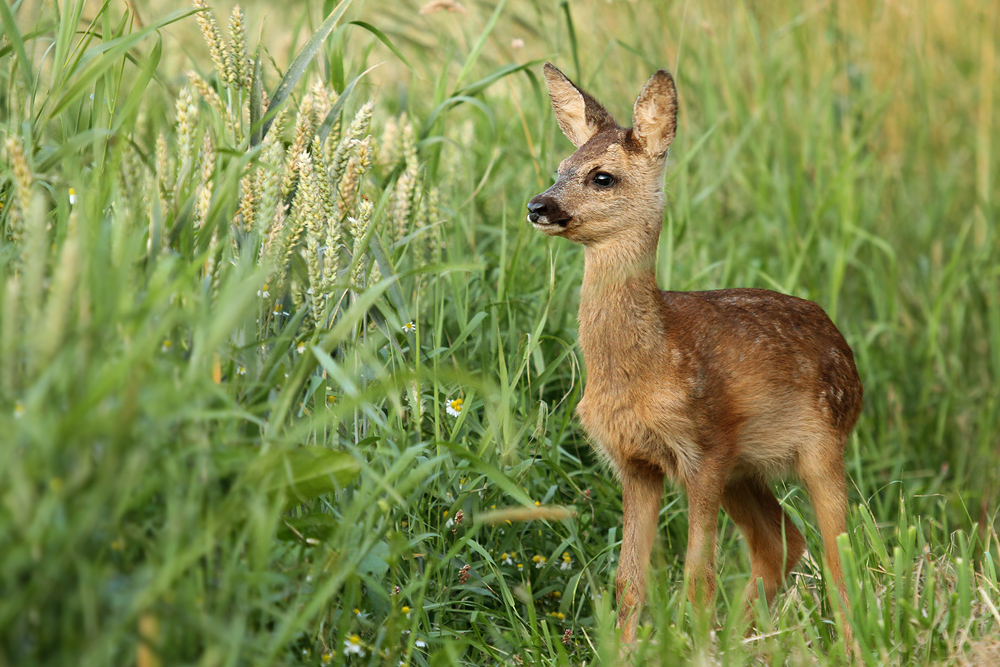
{"type": "Point", "coordinates": [286, 378]}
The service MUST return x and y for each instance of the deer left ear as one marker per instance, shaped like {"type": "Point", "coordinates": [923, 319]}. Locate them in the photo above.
{"type": "Point", "coordinates": [654, 118]}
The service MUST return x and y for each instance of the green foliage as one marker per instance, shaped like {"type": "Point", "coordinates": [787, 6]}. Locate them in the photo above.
{"type": "Point", "coordinates": [278, 354]}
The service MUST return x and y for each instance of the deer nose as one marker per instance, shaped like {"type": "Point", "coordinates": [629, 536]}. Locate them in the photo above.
{"type": "Point", "coordinates": [538, 207]}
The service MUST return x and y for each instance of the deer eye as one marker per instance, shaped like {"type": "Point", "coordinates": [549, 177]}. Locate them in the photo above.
{"type": "Point", "coordinates": [603, 179]}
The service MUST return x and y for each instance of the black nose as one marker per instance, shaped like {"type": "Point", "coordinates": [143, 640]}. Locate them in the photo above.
{"type": "Point", "coordinates": [537, 208]}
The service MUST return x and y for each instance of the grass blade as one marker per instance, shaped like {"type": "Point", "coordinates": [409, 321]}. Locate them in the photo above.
{"type": "Point", "coordinates": [301, 62]}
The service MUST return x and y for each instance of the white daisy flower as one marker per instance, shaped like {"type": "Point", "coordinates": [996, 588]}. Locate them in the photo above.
{"type": "Point", "coordinates": [241, 370]}
{"type": "Point", "coordinates": [420, 643]}
{"type": "Point", "coordinates": [409, 327]}
{"type": "Point", "coordinates": [300, 348]}
{"type": "Point", "coordinates": [539, 562]}
{"type": "Point", "coordinates": [455, 407]}
{"type": "Point", "coordinates": [567, 561]}
{"type": "Point", "coordinates": [506, 559]}
{"type": "Point", "coordinates": [72, 196]}
{"type": "Point", "coordinates": [18, 410]}
{"type": "Point", "coordinates": [353, 646]}
{"type": "Point", "coordinates": [263, 293]}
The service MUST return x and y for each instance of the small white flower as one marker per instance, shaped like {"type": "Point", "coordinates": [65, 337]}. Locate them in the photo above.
{"type": "Point", "coordinates": [409, 327]}
{"type": "Point", "coordinates": [539, 562]}
{"type": "Point", "coordinates": [278, 311]}
{"type": "Point", "coordinates": [167, 344]}
{"type": "Point", "coordinates": [72, 195]}
{"type": "Point", "coordinates": [506, 559]}
{"type": "Point", "coordinates": [241, 370]}
{"type": "Point", "coordinates": [420, 643]}
{"type": "Point", "coordinates": [406, 610]}
{"type": "Point", "coordinates": [353, 646]}
{"type": "Point", "coordinates": [517, 43]}
{"type": "Point", "coordinates": [567, 562]}
{"type": "Point", "coordinates": [18, 410]}
{"type": "Point", "coordinates": [455, 407]}
{"type": "Point", "coordinates": [301, 349]}
{"type": "Point", "coordinates": [263, 293]}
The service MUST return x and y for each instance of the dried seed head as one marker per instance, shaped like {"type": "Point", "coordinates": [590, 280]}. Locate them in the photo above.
{"type": "Point", "coordinates": [403, 200]}
{"type": "Point", "coordinates": [187, 125]}
{"type": "Point", "coordinates": [23, 183]}
{"type": "Point", "coordinates": [407, 183]}
{"type": "Point", "coordinates": [307, 209]}
{"type": "Point", "coordinates": [270, 174]}
{"type": "Point", "coordinates": [204, 198]}
{"type": "Point", "coordinates": [357, 129]}
{"type": "Point", "coordinates": [217, 45]}
{"type": "Point", "coordinates": [212, 98]}
{"type": "Point", "coordinates": [249, 197]}
{"type": "Point", "coordinates": [357, 166]}
{"type": "Point", "coordinates": [358, 228]}
{"type": "Point", "coordinates": [428, 217]}
{"type": "Point", "coordinates": [442, 6]}
{"type": "Point", "coordinates": [163, 174]}
{"type": "Point", "coordinates": [238, 70]}
{"type": "Point", "coordinates": [389, 148]}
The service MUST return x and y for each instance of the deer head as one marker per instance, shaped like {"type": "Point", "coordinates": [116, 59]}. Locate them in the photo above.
{"type": "Point", "coordinates": [610, 189]}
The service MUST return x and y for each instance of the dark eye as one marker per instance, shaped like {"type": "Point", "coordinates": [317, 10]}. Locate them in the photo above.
{"type": "Point", "coordinates": [603, 179]}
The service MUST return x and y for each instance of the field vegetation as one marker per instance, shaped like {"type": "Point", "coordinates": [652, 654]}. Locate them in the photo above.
{"type": "Point", "coordinates": [285, 377]}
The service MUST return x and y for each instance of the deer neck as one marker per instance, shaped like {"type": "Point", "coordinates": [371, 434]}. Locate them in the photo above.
{"type": "Point", "coordinates": [623, 323]}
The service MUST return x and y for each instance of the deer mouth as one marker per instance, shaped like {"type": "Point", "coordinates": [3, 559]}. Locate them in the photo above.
{"type": "Point", "coordinates": [544, 224]}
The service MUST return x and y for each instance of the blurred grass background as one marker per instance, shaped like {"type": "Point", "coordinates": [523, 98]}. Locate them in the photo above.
{"type": "Point", "coordinates": [181, 485]}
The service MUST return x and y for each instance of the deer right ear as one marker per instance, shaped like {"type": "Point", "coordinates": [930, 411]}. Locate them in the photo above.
{"type": "Point", "coordinates": [580, 116]}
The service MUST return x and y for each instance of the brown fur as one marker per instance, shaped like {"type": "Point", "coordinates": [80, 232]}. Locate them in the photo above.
{"type": "Point", "coordinates": [718, 391]}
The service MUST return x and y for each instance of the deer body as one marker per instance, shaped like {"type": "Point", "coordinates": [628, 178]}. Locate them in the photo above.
{"type": "Point", "coordinates": [718, 391]}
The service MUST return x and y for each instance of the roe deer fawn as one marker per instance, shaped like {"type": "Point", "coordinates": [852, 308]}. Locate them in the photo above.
{"type": "Point", "coordinates": [717, 390]}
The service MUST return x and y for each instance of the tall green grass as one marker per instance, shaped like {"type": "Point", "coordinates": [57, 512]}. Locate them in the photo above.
{"type": "Point", "coordinates": [189, 475]}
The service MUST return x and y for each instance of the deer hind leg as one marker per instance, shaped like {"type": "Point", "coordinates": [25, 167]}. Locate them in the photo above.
{"type": "Point", "coordinates": [642, 490]}
{"type": "Point", "coordinates": [822, 471]}
{"type": "Point", "coordinates": [775, 544]}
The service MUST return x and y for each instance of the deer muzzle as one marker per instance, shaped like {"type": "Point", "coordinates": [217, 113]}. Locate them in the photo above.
{"type": "Point", "coordinates": [544, 211]}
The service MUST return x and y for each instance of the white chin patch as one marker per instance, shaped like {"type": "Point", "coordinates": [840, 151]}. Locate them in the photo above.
{"type": "Point", "coordinates": [546, 227]}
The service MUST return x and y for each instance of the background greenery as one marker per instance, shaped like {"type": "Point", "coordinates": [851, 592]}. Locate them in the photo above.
{"type": "Point", "coordinates": [200, 465]}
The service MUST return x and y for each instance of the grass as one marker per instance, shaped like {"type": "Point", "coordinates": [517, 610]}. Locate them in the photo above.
{"type": "Point", "coordinates": [223, 445]}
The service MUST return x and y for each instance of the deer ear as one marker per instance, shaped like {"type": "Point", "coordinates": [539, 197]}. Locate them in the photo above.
{"type": "Point", "coordinates": [580, 116]}
{"type": "Point", "coordinates": [654, 118]}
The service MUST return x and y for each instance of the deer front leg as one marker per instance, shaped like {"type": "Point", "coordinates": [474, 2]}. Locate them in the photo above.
{"type": "Point", "coordinates": [642, 490]}
{"type": "Point", "coordinates": [704, 490]}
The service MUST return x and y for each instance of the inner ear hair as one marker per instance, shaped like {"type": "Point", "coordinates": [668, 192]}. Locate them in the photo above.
{"type": "Point", "coordinates": [655, 114]}
{"type": "Point", "coordinates": [580, 116]}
